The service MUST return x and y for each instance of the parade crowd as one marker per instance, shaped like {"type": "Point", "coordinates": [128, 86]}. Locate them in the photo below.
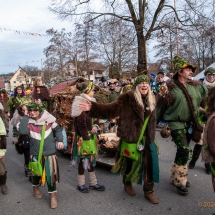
{"type": "Point", "coordinates": [182, 107]}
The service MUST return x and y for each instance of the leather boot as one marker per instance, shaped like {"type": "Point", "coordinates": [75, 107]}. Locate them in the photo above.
{"type": "Point", "coordinates": [196, 152]}
{"type": "Point", "coordinates": [129, 189]}
{"type": "Point", "coordinates": [53, 200]}
{"type": "Point", "coordinates": [37, 192]}
{"type": "Point", "coordinates": [151, 197]}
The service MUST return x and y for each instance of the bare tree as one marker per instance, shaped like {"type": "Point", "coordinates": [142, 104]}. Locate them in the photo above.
{"type": "Point", "coordinates": [32, 70]}
{"type": "Point", "coordinates": [146, 16]}
{"type": "Point", "coordinates": [58, 53]}
{"type": "Point", "coordinates": [85, 42]}
{"type": "Point", "coordinates": [196, 42]}
{"type": "Point", "coordinates": [118, 45]}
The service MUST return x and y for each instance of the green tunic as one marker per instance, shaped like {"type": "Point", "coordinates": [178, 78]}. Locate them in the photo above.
{"type": "Point", "coordinates": [113, 95]}
{"type": "Point", "coordinates": [179, 110]}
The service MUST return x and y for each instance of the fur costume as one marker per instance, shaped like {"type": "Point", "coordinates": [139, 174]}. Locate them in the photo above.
{"type": "Point", "coordinates": [132, 116]}
{"type": "Point", "coordinates": [132, 109]}
{"type": "Point", "coordinates": [207, 156]}
{"type": "Point", "coordinates": [76, 111]}
{"type": "Point", "coordinates": [208, 84]}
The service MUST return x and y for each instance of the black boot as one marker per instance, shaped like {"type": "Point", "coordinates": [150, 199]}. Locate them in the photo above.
{"type": "Point", "coordinates": [3, 185]}
{"type": "Point", "coordinates": [182, 190]}
{"type": "Point", "coordinates": [196, 152]}
{"type": "Point", "coordinates": [207, 168]}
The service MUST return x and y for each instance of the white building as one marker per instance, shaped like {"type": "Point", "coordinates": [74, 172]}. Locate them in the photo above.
{"type": "Point", "coordinates": [20, 78]}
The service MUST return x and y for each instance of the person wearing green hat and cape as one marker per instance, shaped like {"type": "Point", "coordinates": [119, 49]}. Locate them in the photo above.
{"type": "Point", "coordinates": [137, 157]}
{"type": "Point", "coordinates": [178, 103]}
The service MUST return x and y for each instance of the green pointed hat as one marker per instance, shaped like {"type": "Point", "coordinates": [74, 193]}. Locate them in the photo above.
{"type": "Point", "coordinates": [180, 63]}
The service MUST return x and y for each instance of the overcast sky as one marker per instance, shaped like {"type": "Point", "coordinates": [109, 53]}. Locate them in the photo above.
{"type": "Point", "coordinates": [29, 16]}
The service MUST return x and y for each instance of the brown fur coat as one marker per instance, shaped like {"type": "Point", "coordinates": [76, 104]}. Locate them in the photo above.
{"type": "Point", "coordinates": [131, 115]}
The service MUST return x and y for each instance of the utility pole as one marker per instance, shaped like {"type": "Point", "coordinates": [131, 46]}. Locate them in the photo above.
{"type": "Point", "coordinates": [170, 41]}
{"type": "Point", "coordinates": [212, 51]}
{"type": "Point", "coordinates": [41, 67]}
{"type": "Point", "coordinates": [76, 63]}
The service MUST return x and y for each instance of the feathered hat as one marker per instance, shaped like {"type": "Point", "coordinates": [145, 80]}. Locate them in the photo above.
{"type": "Point", "coordinates": [180, 63]}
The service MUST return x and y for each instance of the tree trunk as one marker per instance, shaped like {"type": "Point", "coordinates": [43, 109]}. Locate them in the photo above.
{"type": "Point", "coordinates": [142, 58]}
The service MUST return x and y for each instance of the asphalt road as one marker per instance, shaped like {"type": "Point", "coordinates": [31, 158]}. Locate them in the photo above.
{"type": "Point", "coordinates": [113, 200]}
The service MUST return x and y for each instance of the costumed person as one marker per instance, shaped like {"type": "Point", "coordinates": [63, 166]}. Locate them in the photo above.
{"type": "Point", "coordinates": [3, 144]}
{"type": "Point", "coordinates": [159, 81]}
{"type": "Point", "coordinates": [114, 92]}
{"type": "Point", "coordinates": [32, 124]}
{"type": "Point", "coordinates": [136, 111]}
{"type": "Point", "coordinates": [21, 141]}
{"type": "Point", "coordinates": [14, 102]}
{"type": "Point", "coordinates": [41, 94]}
{"type": "Point", "coordinates": [85, 129]}
{"type": "Point", "coordinates": [152, 77]}
{"type": "Point", "coordinates": [23, 144]}
{"type": "Point", "coordinates": [127, 88]}
{"type": "Point", "coordinates": [209, 82]}
{"type": "Point", "coordinates": [208, 149]}
{"type": "Point", "coordinates": [178, 103]}
{"type": "Point", "coordinates": [4, 100]}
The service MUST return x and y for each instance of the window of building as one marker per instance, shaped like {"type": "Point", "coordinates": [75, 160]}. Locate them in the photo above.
{"type": "Point", "coordinates": [14, 82]}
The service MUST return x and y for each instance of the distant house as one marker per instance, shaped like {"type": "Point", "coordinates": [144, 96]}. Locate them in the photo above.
{"type": "Point", "coordinates": [92, 70]}
{"type": "Point", "coordinates": [2, 83]}
{"type": "Point", "coordinates": [20, 78]}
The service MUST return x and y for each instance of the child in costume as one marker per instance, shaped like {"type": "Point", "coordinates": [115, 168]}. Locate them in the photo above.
{"type": "Point", "coordinates": [83, 124]}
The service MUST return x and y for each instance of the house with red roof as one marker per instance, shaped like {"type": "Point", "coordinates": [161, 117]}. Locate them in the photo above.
{"type": "Point", "coordinates": [61, 86]}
